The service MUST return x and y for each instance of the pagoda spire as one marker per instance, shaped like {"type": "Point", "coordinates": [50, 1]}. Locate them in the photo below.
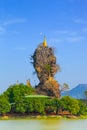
{"type": "Point", "coordinates": [44, 42]}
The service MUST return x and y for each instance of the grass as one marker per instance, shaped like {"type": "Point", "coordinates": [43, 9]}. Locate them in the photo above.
{"type": "Point", "coordinates": [41, 96]}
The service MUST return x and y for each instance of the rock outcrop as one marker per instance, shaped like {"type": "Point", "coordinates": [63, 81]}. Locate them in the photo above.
{"type": "Point", "coordinates": [44, 62]}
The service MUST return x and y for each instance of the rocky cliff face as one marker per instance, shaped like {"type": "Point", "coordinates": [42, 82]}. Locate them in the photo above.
{"type": "Point", "coordinates": [44, 62]}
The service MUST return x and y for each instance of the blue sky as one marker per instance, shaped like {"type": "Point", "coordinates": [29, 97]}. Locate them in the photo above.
{"type": "Point", "coordinates": [23, 24]}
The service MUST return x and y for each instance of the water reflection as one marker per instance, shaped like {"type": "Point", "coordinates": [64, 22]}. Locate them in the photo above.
{"type": "Point", "coordinates": [46, 124]}
{"type": "Point", "coordinates": [51, 124]}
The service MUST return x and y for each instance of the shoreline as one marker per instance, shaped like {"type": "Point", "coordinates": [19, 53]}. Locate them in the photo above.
{"type": "Point", "coordinates": [42, 117]}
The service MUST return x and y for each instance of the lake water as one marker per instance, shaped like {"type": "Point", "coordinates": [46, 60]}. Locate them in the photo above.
{"type": "Point", "coordinates": [44, 124]}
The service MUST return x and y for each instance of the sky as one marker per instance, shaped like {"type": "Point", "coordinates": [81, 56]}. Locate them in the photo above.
{"type": "Point", "coordinates": [23, 24]}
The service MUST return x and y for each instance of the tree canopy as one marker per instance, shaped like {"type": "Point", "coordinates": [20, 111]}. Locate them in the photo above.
{"type": "Point", "coordinates": [20, 98]}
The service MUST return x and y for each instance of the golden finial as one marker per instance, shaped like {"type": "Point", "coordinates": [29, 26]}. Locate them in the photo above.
{"type": "Point", "coordinates": [45, 43]}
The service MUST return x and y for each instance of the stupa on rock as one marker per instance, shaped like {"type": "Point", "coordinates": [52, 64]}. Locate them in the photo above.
{"type": "Point", "coordinates": [44, 62]}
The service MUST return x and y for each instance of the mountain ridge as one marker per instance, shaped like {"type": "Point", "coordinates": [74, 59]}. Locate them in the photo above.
{"type": "Point", "coordinates": [77, 92]}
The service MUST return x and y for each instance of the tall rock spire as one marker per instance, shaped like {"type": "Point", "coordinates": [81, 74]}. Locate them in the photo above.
{"type": "Point", "coordinates": [45, 43]}
{"type": "Point", "coordinates": [44, 62]}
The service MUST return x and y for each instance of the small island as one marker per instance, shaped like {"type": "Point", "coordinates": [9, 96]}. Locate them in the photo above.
{"type": "Point", "coordinates": [44, 100]}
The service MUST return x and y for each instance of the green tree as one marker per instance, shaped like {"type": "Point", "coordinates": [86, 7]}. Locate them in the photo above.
{"type": "Point", "coordinates": [39, 105]}
{"type": "Point", "coordinates": [70, 104]}
{"type": "Point", "coordinates": [5, 106]}
{"type": "Point", "coordinates": [56, 103]}
{"type": "Point", "coordinates": [29, 105]}
{"type": "Point", "coordinates": [20, 107]}
{"type": "Point", "coordinates": [83, 108]}
{"type": "Point", "coordinates": [35, 104]}
{"type": "Point", "coordinates": [17, 92]}
{"type": "Point", "coordinates": [49, 106]}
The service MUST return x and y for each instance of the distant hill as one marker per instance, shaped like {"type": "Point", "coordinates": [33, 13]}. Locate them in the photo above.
{"type": "Point", "coordinates": [77, 92]}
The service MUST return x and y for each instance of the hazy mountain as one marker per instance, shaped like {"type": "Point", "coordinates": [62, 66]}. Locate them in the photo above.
{"type": "Point", "coordinates": [77, 92]}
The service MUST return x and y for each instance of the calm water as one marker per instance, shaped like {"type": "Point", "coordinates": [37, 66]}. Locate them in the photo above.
{"type": "Point", "coordinates": [48, 124]}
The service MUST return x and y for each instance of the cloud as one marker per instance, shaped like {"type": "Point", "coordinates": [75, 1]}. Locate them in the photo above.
{"type": "Point", "coordinates": [20, 48]}
{"type": "Point", "coordinates": [69, 36]}
{"type": "Point", "coordinates": [65, 32]}
{"type": "Point", "coordinates": [80, 21]}
{"type": "Point", "coordinates": [6, 23]}
{"type": "Point", "coordinates": [54, 40]}
{"type": "Point", "coordinates": [84, 29]}
{"type": "Point", "coordinates": [61, 32]}
{"type": "Point", "coordinates": [69, 39]}
{"type": "Point", "coordinates": [74, 39]}
{"type": "Point", "coordinates": [2, 29]}
{"type": "Point", "coordinates": [14, 21]}
{"type": "Point", "coordinates": [41, 33]}
{"type": "Point", "coordinates": [73, 33]}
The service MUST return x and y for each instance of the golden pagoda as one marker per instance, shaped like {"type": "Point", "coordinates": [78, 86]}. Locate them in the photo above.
{"type": "Point", "coordinates": [44, 43]}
